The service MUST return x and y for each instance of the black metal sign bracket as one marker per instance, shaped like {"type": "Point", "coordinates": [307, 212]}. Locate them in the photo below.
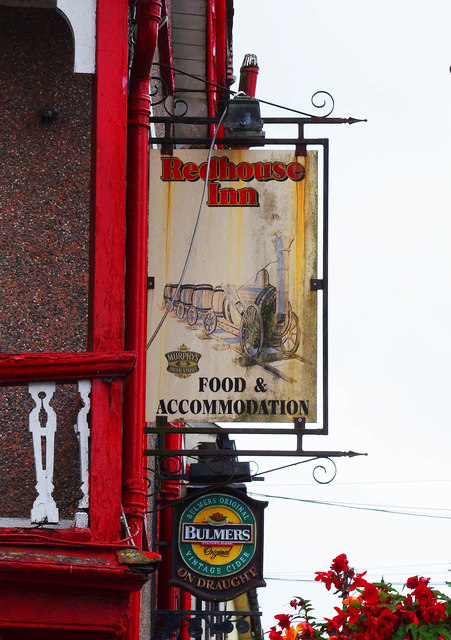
{"type": "Point", "coordinates": [167, 141]}
{"type": "Point", "coordinates": [163, 428]}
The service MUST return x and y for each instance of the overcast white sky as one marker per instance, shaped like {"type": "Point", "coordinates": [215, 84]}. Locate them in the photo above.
{"type": "Point", "coordinates": [389, 285]}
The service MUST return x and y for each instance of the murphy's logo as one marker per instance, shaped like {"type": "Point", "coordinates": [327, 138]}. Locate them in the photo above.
{"type": "Point", "coordinates": [183, 362]}
{"type": "Point", "coordinates": [223, 170]}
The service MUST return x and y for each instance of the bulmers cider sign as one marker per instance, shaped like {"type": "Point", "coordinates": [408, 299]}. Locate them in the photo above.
{"type": "Point", "coordinates": [239, 342]}
{"type": "Point", "coordinates": [219, 545]}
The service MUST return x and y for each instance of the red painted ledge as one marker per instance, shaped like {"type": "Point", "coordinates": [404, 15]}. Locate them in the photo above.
{"type": "Point", "coordinates": [20, 368]}
{"type": "Point", "coordinates": [100, 567]}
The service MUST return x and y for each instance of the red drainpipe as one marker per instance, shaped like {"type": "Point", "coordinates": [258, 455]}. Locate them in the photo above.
{"type": "Point", "coordinates": [169, 491]}
{"type": "Point", "coordinates": [221, 42]}
{"type": "Point", "coordinates": [148, 14]}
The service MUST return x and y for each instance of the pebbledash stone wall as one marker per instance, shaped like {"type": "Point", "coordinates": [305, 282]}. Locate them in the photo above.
{"type": "Point", "coordinates": [45, 169]}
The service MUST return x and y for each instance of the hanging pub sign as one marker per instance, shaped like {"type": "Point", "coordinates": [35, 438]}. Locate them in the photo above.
{"type": "Point", "coordinates": [239, 342]}
{"type": "Point", "coordinates": [218, 544]}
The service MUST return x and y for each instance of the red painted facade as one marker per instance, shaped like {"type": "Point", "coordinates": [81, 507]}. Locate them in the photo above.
{"type": "Point", "coordinates": [75, 582]}
{"type": "Point", "coordinates": [72, 583]}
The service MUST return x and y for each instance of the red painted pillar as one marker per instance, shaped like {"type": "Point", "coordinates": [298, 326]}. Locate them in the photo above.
{"type": "Point", "coordinates": [106, 303]}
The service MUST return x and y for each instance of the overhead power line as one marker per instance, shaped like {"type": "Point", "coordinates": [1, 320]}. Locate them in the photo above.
{"type": "Point", "coordinates": [354, 506]}
{"type": "Point", "coordinates": [312, 484]}
{"type": "Point", "coordinates": [398, 584]}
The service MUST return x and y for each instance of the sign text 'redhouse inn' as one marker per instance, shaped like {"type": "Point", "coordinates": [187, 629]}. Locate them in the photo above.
{"type": "Point", "coordinates": [222, 169]}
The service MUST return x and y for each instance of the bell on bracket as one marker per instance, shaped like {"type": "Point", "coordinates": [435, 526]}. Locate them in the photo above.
{"type": "Point", "coordinates": [242, 120]}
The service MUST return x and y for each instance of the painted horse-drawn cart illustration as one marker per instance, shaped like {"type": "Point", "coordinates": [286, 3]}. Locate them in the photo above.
{"type": "Point", "coordinates": [259, 314]}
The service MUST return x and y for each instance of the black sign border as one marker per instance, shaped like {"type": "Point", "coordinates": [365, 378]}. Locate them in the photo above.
{"type": "Point", "coordinates": [255, 565]}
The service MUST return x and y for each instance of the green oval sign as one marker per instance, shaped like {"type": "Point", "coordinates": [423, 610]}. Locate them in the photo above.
{"type": "Point", "coordinates": [217, 535]}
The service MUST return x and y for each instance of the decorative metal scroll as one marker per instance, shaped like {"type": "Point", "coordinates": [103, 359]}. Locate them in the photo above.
{"type": "Point", "coordinates": [198, 622]}
{"type": "Point", "coordinates": [322, 101]}
{"type": "Point", "coordinates": [173, 105]}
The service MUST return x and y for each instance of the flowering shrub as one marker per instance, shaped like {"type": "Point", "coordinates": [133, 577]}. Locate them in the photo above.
{"type": "Point", "coordinates": [370, 611]}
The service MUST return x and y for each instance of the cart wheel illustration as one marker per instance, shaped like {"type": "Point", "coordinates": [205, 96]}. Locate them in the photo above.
{"type": "Point", "coordinates": [192, 316]}
{"type": "Point", "coordinates": [227, 311]}
{"type": "Point", "coordinates": [290, 340]}
{"type": "Point", "coordinates": [180, 311]}
{"type": "Point", "coordinates": [251, 332]}
{"type": "Point", "coordinates": [210, 322]}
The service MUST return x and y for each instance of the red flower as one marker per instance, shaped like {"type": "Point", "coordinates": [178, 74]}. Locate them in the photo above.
{"type": "Point", "coordinates": [306, 630]}
{"type": "Point", "coordinates": [337, 621]}
{"type": "Point", "coordinates": [354, 615]}
{"type": "Point", "coordinates": [358, 581]}
{"type": "Point", "coordinates": [328, 578]}
{"type": "Point", "coordinates": [409, 616]}
{"type": "Point", "coordinates": [434, 613]}
{"type": "Point", "coordinates": [284, 620]}
{"type": "Point", "coordinates": [387, 620]}
{"type": "Point", "coordinates": [371, 594]}
{"type": "Point", "coordinates": [423, 594]}
{"type": "Point", "coordinates": [340, 563]}
{"type": "Point", "coordinates": [362, 635]}
{"type": "Point", "coordinates": [371, 610]}
{"type": "Point", "coordinates": [412, 583]}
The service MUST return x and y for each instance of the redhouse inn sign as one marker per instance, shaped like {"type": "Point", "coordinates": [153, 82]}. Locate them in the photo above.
{"type": "Point", "coordinates": [239, 342]}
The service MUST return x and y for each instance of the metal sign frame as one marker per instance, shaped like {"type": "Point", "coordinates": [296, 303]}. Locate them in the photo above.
{"type": "Point", "coordinates": [168, 141]}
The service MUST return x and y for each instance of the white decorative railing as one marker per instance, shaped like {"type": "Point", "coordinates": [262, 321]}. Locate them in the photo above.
{"type": "Point", "coordinates": [43, 426]}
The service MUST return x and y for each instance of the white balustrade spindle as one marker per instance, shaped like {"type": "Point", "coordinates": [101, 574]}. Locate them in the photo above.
{"type": "Point", "coordinates": [44, 507]}
{"type": "Point", "coordinates": [83, 432]}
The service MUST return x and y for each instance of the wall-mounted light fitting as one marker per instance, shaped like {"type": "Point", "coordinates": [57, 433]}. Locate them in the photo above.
{"type": "Point", "coordinates": [243, 120]}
